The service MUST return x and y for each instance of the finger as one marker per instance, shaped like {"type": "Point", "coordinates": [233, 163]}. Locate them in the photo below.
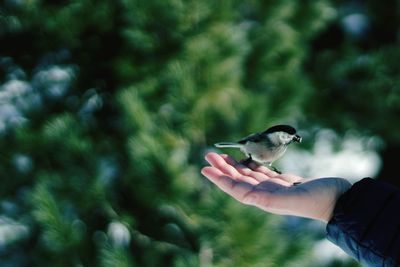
{"type": "Point", "coordinates": [218, 162]}
{"type": "Point", "coordinates": [236, 189]}
{"type": "Point", "coordinates": [290, 178]}
{"type": "Point", "coordinates": [244, 170]}
{"type": "Point", "coordinates": [229, 159]}
{"type": "Point", "coordinates": [260, 168]}
{"type": "Point", "coordinates": [280, 182]}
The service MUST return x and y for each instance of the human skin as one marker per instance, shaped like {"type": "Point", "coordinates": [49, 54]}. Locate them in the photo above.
{"type": "Point", "coordinates": [276, 193]}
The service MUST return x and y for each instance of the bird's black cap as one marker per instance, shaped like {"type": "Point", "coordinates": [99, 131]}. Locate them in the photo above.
{"type": "Point", "coordinates": [281, 128]}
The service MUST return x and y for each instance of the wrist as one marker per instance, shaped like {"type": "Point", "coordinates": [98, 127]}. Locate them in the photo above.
{"type": "Point", "coordinates": [341, 186]}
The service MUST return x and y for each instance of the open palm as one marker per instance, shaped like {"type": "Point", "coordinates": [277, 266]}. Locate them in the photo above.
{"type": "Point", "coordinates": [273, 192]}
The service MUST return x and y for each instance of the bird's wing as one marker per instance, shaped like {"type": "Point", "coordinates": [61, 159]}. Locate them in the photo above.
{"type": "Point", "coordinates": [255, 137]}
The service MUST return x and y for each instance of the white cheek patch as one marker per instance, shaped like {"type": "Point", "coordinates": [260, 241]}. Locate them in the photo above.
{"type": "Point", "coordinates": [285, 138]}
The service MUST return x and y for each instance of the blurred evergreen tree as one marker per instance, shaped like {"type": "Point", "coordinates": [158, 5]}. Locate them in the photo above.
{"type": "Point", "coordinates": [354, 65]}
{"type": "Point", "coordinates": [108, 108]}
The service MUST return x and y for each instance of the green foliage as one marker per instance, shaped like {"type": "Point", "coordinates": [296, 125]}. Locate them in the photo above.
{"type": "Point", "coordinates": [115, 257]}
{"type": "Point", "coordinates": [154, 85]}
{"type": "Point", "coordinates": [369, 75]}
{"type": "Point", "coordinates": [59, 233]}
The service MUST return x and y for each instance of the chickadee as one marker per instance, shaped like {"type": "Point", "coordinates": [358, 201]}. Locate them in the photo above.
{"type": "Point", "coordinates": [267, 146]}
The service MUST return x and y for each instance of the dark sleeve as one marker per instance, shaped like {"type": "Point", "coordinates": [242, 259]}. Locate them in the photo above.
{"type": "Point", "coordinates": [366, 223]}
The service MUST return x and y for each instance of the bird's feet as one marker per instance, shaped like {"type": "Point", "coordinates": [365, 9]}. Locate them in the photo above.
{"type": "Point", "coordinates": [275, 169]}
{"type": "Point", "coordinates": [247, 161]}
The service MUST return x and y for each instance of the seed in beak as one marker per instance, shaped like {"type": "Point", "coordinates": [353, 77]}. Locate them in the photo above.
{"type": "Point", "coordinates": [297, 138]}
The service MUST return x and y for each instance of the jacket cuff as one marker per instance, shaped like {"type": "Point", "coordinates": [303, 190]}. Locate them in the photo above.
{"type": "Point", "coordinates": [366, 221]}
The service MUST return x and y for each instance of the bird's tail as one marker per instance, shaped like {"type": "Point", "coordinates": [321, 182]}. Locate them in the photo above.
{"type": "Point", "coordinates": [228, 144]}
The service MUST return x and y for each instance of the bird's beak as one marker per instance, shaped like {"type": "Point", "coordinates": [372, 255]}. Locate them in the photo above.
{"type": "Point", "coordinates": [297, 138]}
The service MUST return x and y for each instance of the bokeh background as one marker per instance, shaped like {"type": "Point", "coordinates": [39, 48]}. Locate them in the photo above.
{"type": "Point", "coordinates": [108, 107]}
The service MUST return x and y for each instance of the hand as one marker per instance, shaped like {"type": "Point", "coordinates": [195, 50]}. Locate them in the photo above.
{"type": "Point", "coordinates": [261, 187]}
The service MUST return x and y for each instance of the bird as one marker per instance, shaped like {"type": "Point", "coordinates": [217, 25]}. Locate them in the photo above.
{"type": "Point", "coordinates": [265, 147]}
